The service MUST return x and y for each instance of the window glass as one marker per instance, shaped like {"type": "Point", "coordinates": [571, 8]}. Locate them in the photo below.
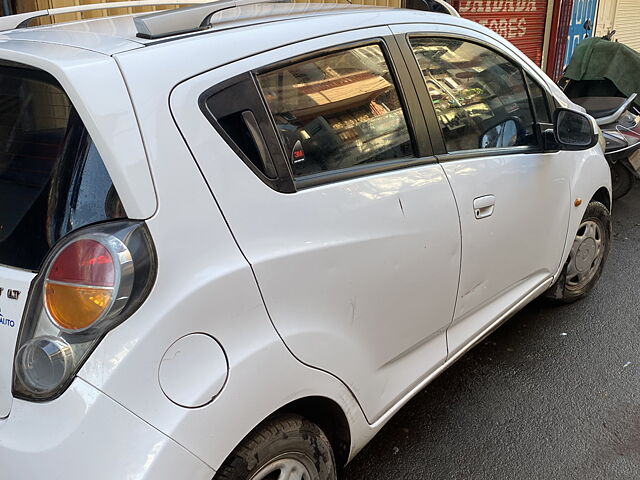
{"type": "Point", "coordinates": [337, 111]}
{"type": "Point", "coordinates": [480, 97]}
{"type": "Point", "coordinates": [53, 179]}
{"type": "Point", "coordinates": [539, 100]}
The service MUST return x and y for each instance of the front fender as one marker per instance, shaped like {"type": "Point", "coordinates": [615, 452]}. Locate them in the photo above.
{"type": "Point", "coordinates": [590, 173]}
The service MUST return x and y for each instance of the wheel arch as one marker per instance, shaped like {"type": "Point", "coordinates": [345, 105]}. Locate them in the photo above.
{"type": "Point", "coordinates": [603, 196]}
{"type": "Point", "coordinates": [329, 416]}
{"type": "Point", "coordinates": [322, 411]}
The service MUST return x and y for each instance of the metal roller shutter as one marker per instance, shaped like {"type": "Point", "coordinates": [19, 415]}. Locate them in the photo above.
{"type": "Point", "coordinates": [522, 22]}
{"type": "Point", "coordinates": [627, 23]}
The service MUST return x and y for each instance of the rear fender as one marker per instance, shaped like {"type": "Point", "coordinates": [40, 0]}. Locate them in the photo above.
{"type": "Point", "coordinates": [205, 286]}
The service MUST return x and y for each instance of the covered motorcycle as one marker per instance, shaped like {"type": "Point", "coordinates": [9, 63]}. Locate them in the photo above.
{"type": "Point", "coordinates": [604, 78]}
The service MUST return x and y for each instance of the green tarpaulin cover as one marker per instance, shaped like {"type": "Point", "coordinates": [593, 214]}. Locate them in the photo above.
{"type": "Point", "coordinates": [598, 59]}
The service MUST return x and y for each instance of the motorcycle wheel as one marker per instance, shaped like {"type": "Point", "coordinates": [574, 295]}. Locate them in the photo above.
{"type": "Point", "coordinates": [621, 180]}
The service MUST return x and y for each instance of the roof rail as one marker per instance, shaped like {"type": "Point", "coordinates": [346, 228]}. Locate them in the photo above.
{"type": "Point", "coordinates": [21, 20]}
{"type": "Point", "coordinates": [186, 20]}
{"type": "Point", "coordinates": [449, 8]}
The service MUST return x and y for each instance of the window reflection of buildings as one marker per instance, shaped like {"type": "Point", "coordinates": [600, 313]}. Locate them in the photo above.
{"type": "Point", "coordinates": [461, 96]}
{"type": "Point", "coordinates": [358, 103]}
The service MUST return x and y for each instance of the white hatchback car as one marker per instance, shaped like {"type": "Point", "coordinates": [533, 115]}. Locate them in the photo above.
{"type": "Point", "coordinates": [236, 239]}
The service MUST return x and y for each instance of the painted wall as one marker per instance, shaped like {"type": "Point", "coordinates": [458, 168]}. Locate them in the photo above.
{"type": "Point", "coordinates": [582, 25]}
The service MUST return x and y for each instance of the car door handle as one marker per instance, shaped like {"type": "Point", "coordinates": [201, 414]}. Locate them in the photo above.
{"type": "Point", "coordinates": [483, 206]}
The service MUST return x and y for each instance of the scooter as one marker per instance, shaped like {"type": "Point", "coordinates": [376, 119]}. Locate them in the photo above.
{"type": "Point", "coordinates": [619, 120]}
{"type": "Point", "coordinates": [617, 115]}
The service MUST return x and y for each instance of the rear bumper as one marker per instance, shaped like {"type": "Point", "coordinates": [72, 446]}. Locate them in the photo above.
{"type": "Point", "coordinates": [85, 434]}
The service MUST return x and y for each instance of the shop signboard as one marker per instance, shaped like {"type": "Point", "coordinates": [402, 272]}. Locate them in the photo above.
{"type": "Point", "coordinates": [522, 22]}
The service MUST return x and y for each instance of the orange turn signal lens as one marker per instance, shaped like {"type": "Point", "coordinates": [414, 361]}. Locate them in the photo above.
{"type": "Point", "coordinates": [73, 307]}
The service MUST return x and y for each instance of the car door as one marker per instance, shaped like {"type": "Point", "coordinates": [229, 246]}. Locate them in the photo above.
{"type": "Point", "coordinates": [356, 246]}
{"type": "Point", "coordinates": [514, 200]}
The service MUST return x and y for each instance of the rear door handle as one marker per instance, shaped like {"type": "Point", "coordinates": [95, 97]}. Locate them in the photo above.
{"type": "Point", "coordinates": [483, 206]}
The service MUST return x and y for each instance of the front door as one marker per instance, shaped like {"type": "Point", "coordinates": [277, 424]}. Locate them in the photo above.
{"type": "Point", "coordinates": [359, 264]}
{"type": "Point", "coordinates": [514, 201]}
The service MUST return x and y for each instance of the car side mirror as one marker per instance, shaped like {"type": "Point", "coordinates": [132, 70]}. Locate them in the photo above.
{"type": "Point", "coordinates": [504, 134]}
{"type": "Point", "coordinates": [574, 130]}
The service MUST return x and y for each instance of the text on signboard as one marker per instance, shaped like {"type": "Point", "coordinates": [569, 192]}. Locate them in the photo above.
{"type": "Point", "coordinates": [495, 6]}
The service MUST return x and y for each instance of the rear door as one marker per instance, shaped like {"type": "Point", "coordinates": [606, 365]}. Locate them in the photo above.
{"type": "Point", "coordinates": [514, 199]}
{"type": "Point", "coordinates": [326, 179]}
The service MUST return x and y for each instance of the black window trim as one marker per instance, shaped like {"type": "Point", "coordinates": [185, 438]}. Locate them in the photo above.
{"type": "Point", "coordinates": [547, 99]}
{"type": "Point", "coordinates": [358, 171]}
{"type": "Point", "coordinates": [435, 130]}
{"type": "Point", "coordinates": [539, 125]}
{"type": "Point", "coordinates": [283, 182]}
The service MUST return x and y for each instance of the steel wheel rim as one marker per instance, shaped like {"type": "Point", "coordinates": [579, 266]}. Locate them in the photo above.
{"type": "Point", "coordinates": [286, 467]}
{"type": "Point", "coordinates": [585, 256]}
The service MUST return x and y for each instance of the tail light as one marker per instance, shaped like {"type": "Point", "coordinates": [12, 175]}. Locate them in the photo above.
{"type": "Point", "coordinates": [91, 281]}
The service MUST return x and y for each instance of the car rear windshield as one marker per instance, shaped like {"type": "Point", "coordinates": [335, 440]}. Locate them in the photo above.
{"type": "Point", "coordinates": [52, 179]}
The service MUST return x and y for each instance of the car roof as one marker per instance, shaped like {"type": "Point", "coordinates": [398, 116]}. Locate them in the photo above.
{"type": "Point", "coordinates": [112, 35]}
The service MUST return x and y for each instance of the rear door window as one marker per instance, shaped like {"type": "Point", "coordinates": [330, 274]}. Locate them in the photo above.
{"type": "Point", "coordinates": [337, 110]}
{"type": "Point", "coordinates": [52, 179]}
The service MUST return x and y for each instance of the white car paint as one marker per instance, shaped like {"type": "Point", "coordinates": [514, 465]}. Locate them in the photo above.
{"type": "Point", "coordinates": [85, 433]}
{"type": "Point", "coordinates": [219, 275]}
{"type": "Point", "coordinates": [526, 231]}
{"type": "Point", "coordinates": [384, 237]}
{"type": "Point", "coordinates": [186, 363]}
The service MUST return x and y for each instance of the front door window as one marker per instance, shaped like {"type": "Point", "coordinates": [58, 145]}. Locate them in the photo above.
{"type": "Point", "coordinates": [479, 96]}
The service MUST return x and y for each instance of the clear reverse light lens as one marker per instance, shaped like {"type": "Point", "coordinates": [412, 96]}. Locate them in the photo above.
{"type": "Point", "coordinates": [44, 362]}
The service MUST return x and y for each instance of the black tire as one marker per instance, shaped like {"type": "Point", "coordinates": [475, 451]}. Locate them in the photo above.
{"type": "Point", "coordinates": [621, 180]}
{"type": "Point", "coordinates": [288, 438]}
{"type": "Point", "coordinates": [567, 289]}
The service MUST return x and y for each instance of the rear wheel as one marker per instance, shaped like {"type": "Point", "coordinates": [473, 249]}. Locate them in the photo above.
{"type": "Point", "coordinates": [621, 180]}
{"type": "Point", "coordinates": [284, 448]}
{"type": "Point", "coordinates": [588, 254]}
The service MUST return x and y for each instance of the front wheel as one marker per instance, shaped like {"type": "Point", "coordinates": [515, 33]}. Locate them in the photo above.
{"type": "Point", "coordinates": [284, 448]}
{"type": "Point", "coordinates": [587, 257]}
